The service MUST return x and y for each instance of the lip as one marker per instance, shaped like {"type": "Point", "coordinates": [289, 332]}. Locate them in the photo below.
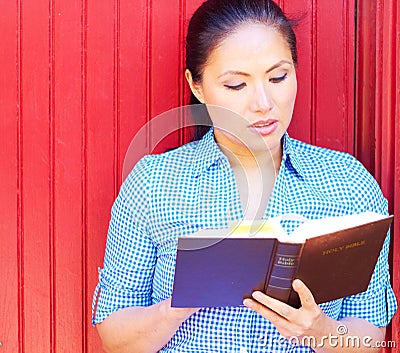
{"type": "Point", "coordinates": [264, 127]}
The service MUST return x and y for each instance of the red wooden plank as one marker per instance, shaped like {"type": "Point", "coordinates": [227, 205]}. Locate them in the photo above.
{"type": "Point", "coordinates": [385, 104]}
{"type": "Point", "coordinates": [389, 140]}
{"type": "Point", "coordinates": [101, 168]}
{"type": "Point", "coordinates": [69, 292]}
{"type": "Point", "coordinates": [396, 198]}
{"type": "Point", "coordinates": [88, 332]}
{"type": "Point", "coordinates": [302, 10]}
{"type": "Point", "coordinates": [165, 67]}
{"type": "Point", "coordinates": [378, 90]}
{"type": "Point", "coordinates": [334, 105]}
{"type": "Point", "coordinates": [349, 43]}
{"type": "Point", "coordinates": [385, 118]}
{"type": "Point", "coordinates": [130, 106]}
{"type": "Point", "coordinates": [365, 84]}
{"type": "Point", "coordinates": [37, 176]}
{"type": "Point", "coordinates": [189, 7]}
{"type": "Point", "coordinates": [378, 114]}
{"type": "Point", "coordinates": [9, 176]}
{"type": "Point", "coordinates": [133, 66]}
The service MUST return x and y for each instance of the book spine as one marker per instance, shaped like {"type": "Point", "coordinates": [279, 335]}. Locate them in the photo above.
{"type": "Point", "coordinates": [284, 267]}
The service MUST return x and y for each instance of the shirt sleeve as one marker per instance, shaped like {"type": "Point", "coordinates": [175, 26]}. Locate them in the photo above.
{"type": "Point", "coordinates": [127, 276]}
{"type": "Point", "coordinates": [378, 303]}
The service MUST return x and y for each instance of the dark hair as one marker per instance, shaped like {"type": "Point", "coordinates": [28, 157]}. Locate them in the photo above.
{"type": "Point", "coordinates": [214, 20]}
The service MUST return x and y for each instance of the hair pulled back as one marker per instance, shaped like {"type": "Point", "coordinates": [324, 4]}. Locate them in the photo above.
{"type": "Point", "coordinates": [215, 20]}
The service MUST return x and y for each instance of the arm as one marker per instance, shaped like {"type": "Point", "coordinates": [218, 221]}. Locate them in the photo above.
{"type": "Point", "coordinates": [141, 329]}
{"type": "Point", "coordinates": [322, 332]}
{"type": "Point", "coordinates": [123, 312]}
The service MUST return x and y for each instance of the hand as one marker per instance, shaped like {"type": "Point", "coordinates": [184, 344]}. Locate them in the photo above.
{"type": "Point", "coordinates": [308, 320]}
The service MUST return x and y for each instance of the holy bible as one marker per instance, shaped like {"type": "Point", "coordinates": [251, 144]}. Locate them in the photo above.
{"type": "Point", "coordinates": [335, 258]}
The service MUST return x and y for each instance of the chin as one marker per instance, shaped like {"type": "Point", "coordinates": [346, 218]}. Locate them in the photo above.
{"type": "Point", "coordinates": [272, 142]}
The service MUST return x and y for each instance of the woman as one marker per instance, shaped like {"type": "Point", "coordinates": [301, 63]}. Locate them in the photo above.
{"type": "Point", "coordinates": [241, 55]}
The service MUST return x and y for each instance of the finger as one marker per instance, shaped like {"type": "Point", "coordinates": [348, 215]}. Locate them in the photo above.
{"type": "Point", "coordinates": [277, 306]}
{"type": "Point", "coordinates": [277, 320]}
{"type": "Point", "coordinates": [306, 297]}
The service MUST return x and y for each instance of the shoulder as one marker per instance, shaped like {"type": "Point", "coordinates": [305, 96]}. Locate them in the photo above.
{"type": "Point", "coordinates": [155, 168]}
{"type": "Point", "coordinates": [320, 160]}
{"type": "Point", "coordinates": [330, 159]}
{"type": "Point", "coordinates": [342, 173]}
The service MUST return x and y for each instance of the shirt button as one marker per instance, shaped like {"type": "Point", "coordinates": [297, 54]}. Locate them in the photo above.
{"type": "Point", "coordinates": [243, 350]}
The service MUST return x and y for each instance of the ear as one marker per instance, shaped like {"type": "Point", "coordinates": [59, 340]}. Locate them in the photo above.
{"type": "Point", "coordinates": [195, 88]}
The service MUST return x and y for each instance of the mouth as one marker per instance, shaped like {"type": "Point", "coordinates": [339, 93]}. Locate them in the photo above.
{"type": "Point", "coordinates": [264, 127]}
{"type": "Point", "coordinates": [263, 123]}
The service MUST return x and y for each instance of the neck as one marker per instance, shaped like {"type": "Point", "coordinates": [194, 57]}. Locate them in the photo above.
{"type": "Point", "coordinates": [243, 157]}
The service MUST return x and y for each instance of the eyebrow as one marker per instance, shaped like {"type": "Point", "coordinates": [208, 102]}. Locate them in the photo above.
{"type": "Point", "coordinates": [233, 72]}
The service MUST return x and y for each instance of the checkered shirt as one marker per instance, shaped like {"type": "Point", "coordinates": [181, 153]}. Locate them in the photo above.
{"type": "Point", "coordinates": [193, 187]}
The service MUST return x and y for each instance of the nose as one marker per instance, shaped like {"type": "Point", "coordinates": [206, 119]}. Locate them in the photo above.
{"type": "Point", "coordinates": [262, 101]}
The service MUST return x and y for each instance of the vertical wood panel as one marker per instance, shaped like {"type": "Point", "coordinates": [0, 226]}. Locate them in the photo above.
{"type": "Point", "coordinates": [9, 325]}
{"type": "Point", "coordinates": [100, 170]}
{"type": "Point", "coordinates": [377, 99]}
{"type": "Point", "coordinates": [386, 119]}
{"type": "Point", "coordinates": [188, 8]}
{"type": "Point", "coordinates": [20, 204]}
{"type": "Point", "coordinates": [164, 55]}
{"type": "Point", "coordinates": [385, 110]}
{"type": "Point", "coordinates": [301, 10]}
{"type": "Point", "coordinates": [396, 140]}
{"type": "Point", "coordinates": [69, 293]}
{"type": "Point", "coordinates": [165, 67]}
{"type": "Point", "coordinates": [365, 92]}
{"type": "Point", "coordinates": [335, 74]}
{"type": "Point", "coordinates": [349, 45]}
{"type": "Point", "coordinates": [52, 177]}
{"type": "Point", "coordinates": [133, 75]}
{"type": "Point", "coordinates": [87, 333]}
{"type": "Point", "coordinates": [377, 116]}
{"type": "Point", "coordinates": [37, 175]}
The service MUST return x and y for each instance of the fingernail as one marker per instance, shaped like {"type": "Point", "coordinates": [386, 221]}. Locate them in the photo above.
{"type": "Point", "coordinates": [257, 295]}
{"type": "Point", "coordinates": [247, 302]}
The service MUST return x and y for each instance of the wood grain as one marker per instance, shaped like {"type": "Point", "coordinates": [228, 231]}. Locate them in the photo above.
{"type": "Point", "coordinates": [11, 305]}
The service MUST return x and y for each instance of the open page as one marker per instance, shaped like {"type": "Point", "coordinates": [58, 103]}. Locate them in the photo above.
{"type": "Point", "coordinates": [272, 227]}
{"type": "Point", "coordinates": [245, 229]}
{"type": "Point", "coordinates": [317, 227]}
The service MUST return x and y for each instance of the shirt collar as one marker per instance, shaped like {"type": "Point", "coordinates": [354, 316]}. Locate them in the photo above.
{"type": "Point", "coordinates": [208, 153]}
{"type": "Point", "coordinates": [290, 155]}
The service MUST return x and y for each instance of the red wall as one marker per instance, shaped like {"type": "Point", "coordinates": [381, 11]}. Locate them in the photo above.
{"type": "Point", "coordinates": [378, 113]}
{"type": "Point", "coordinates": [78, 79]}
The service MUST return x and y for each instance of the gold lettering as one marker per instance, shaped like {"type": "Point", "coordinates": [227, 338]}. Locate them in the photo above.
{"type": "Point", "coordinates": [355, 244]}
{"type": "Point", "coordinates": [343, 247]}
{"type": "Point", "coordinates": [330, 251]}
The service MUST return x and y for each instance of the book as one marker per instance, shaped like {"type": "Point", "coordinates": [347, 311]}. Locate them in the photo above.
{"type": "Point", "coordinates": [334, 256]}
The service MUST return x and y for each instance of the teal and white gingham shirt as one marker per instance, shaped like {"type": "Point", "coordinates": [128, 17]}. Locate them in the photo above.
{"type": "Point", "coordinates": [193, 187]}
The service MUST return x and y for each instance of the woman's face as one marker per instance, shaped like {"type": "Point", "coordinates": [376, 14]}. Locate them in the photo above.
{"type": "Point", "coordinates": [252, 74]}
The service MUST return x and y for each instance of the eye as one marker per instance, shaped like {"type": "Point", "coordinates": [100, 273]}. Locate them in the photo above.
{"type": "Point", "coordinates": [278, 79]}
{"type": "Point", "coordinates": [237, 87]}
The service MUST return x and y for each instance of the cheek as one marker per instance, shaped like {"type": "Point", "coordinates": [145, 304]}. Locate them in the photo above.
{"type": "Point", "coordinates": [224, 98]}
{"type": "Point", "coordinates": [286, 98]}
{"type": "Point", "coordinates": [215, 94]}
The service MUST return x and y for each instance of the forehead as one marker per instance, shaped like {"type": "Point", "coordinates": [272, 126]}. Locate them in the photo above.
{"type": "Point", "coordinates": [251, 45]}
